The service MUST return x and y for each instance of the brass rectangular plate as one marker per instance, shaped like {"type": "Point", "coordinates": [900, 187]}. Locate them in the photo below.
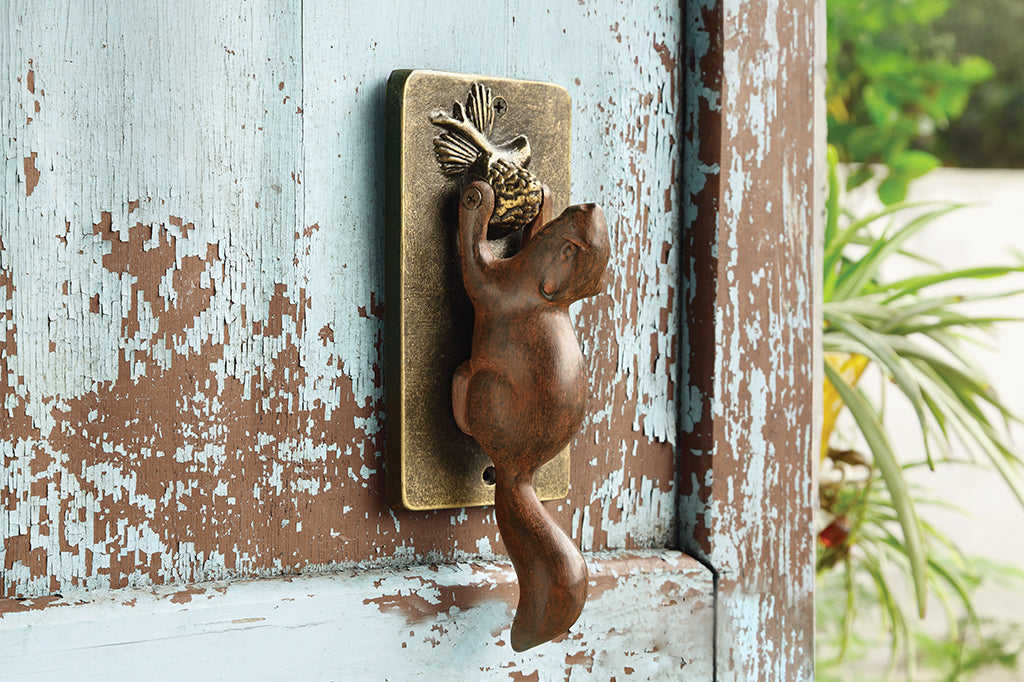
{"type": "Point", "coordinates": [430, 463]}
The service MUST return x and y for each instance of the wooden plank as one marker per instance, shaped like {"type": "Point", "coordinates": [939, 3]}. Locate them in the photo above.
{"type": "Point", "coordinates": [651, 617]}
{"type": "Point", "coordinates": [149, 290]}
{"type": "Point", "coordinates": [621, 75]}
{"type": "Point", "coordinates": [191, 278]}
{"type": "Point", "coordinates": [747, 495]}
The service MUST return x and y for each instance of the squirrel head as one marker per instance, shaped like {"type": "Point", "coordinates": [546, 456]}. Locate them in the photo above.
{"type": "Point", "coordinates": [570, 254]}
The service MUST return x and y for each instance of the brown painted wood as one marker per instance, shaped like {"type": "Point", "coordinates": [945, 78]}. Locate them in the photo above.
{"type": "Point", "coordinates": [522, 394]}
{"type": "Point", "coordinates": [752, 147]}
{"type": "Point", "coordinates": [191, 351]}
{"type": "Point", "coordinates": [407, 623]}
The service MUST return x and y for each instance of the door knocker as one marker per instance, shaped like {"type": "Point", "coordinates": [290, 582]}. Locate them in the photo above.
{"type": "Point", "coordinates": [521, 393]}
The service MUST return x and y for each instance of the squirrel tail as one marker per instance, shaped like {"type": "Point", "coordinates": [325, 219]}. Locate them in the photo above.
{"type": "Point", "coordinates": [552, 572]}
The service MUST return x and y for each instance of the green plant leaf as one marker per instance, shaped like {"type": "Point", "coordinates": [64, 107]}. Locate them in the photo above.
{"type": "Point", "coordinates": [953, 320]}
{"type": "Point", "coordinates": [876, 347]}
{"type": "Point", "coordinates": [854, 280]}
{"type": "Point", "coordinates": [912, 285]}
{"type": "Point", "coordinates": [863, 308]}
{"type": "Point", "coordinates": [850, 234]}
{"type": "Point", "coordinates": [848, 613]}
{"type": "Point", "coordinates": [975, 433]}
{"type": "Point", "coordinates": [957, 378]}
{"type": "Point", "coordinates": [832, 204]}
{"type": "Point", "coordinates": [891, 611]}
{"type": "Point", "coordinates": [893, 189]}
{"type": "Point", "coordinates": [885, 459]}
{"type": "Point", "coordinates": [975, 69]}
{"type": "Point", "coordinates": [913, 163]}
{"type": "Point", "coordinates": [939, 378]}
{"type": "Point", "coordinates": [863, 174]}
{"type": "Point", "coordinates": [897, 316]}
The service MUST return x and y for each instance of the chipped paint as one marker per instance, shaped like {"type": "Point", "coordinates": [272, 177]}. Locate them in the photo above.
{"type": "Point", "coordinates": [190, 300]}
{"type": "Point", "coordinates": [650, 612]}
{"type": "Point", "coordinates": [190, 271]}
{"type": "Point", "coordinates": [748, 372]}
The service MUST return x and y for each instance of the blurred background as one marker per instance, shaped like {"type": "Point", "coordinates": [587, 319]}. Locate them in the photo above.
{"type": "Point", "coordinates": [921, 529]}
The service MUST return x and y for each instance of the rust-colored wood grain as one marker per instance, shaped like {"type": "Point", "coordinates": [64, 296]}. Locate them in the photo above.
{"type": "Point", "coordinates": [522, 394]}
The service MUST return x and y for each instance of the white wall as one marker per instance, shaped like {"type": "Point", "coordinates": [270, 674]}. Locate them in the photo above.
{"type": "Point", "coordinates": [985, 232]}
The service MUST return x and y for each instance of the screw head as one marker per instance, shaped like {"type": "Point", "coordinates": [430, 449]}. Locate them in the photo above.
{"type": "Point", "coordinates": [471, 198]}
{"type": "Point", "coordinates": [500, 105]}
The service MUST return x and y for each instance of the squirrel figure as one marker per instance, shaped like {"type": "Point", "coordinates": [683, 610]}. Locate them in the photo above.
{"type": "Point", "coordinates": [523, 391]}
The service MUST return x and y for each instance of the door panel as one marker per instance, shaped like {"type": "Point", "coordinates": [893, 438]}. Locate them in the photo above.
{"type": "Point", "coordinates": [194, 280]}
{"type": "Point", "coordinates": [191, 280]}
{"type": "Point", "coordinates": [650, 616]}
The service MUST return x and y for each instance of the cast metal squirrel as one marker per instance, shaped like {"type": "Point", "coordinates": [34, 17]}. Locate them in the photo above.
{"type": "Point", "coordinates": [522, 393]}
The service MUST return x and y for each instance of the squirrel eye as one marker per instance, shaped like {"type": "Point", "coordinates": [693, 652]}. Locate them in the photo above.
{"type": "Point", "coordinates": [568, 250]}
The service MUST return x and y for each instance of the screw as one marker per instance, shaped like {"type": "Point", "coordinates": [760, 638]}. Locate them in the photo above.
{"type": "Point", "coordinates": [500, 105]}
{"type": "Point", "coordinates": [472, 198]}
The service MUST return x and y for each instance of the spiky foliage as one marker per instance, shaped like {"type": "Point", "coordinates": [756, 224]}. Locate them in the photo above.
{"type": "Point", "coordinates": [918, 339]}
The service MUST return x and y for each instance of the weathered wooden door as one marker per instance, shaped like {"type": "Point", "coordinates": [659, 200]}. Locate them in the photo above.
{"type": "Point", "coordinates": [191, 394]}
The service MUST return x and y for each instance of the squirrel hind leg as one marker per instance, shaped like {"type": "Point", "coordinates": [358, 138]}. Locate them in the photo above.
{"type": "Point", "coordinates": [484, 403]}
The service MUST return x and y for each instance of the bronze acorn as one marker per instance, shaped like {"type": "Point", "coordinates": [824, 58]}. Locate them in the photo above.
{"type": "Point", "coordinates": [465, 149]}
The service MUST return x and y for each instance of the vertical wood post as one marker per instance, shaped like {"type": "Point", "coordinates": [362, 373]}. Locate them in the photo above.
{"type": "Point", "coordinates": [751, 151]}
